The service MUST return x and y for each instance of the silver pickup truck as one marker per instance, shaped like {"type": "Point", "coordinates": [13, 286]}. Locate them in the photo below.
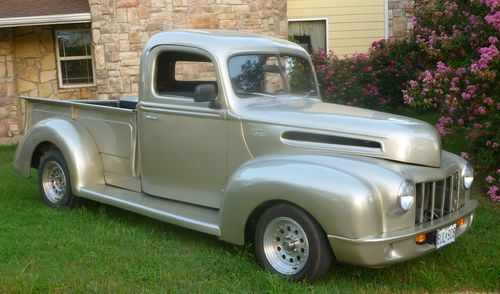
{"type": "Point", "coordinates": [241, 147]}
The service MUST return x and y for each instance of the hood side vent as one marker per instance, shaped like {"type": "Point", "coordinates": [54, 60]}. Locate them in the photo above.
{"type": "Point", "coordinates": [329, 139]}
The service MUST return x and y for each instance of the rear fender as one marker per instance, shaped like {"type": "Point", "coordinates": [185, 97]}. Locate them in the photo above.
{"type": "Point", "coordinates": [76, 145]}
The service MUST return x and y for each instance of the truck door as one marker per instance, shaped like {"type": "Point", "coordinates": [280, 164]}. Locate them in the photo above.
{"type": "Point", "coordinates": [182, 142]}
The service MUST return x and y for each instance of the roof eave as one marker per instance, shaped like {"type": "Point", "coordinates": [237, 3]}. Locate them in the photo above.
{"type": "Point", "coordinates": [44, 20]}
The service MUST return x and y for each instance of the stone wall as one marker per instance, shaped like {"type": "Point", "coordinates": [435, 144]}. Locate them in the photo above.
{"type": "Point", "coordinates": [120, 28]}
{"type": "Point", "coordinates": [28, 68]}
{"type": "Point", "coordinates": [36, 68]}
{"type": "Point", "coordinates": [9, 127]}
{"type": "Point", "coordinates": [400, 14]}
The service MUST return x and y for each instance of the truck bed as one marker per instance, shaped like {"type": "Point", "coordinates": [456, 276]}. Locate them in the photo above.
{"type": "Point", "coordinates": [112, 124]}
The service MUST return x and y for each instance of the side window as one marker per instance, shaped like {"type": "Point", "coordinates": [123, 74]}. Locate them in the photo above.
{"type": "Point", "coordinates": [194, 71]}
{"type": "Point", "coordinates": [178, 74]}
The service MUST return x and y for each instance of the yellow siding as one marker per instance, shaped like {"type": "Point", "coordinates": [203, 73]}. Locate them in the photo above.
{"type": "Point", "coordinates": [353, 25]}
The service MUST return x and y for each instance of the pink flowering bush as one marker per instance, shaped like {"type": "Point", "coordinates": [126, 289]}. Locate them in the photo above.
{"type": "Point", "coordinates": [371, 80]}
{"type": "Point", "coordinates": [460, 39]}
{"type": "Point", "coordinates": [450, 64]}
{"type": "Point", "coordinates": [493, 183]}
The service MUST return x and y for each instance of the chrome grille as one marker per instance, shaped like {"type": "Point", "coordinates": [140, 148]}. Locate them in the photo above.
{"type": "Point", "coordinates": [437, 199]}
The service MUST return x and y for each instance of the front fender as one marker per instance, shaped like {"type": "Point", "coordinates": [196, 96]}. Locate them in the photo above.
{"type": "Point", "coordinates": [76, 145]}
{"type": "Point", "coordinates": [341, 203]}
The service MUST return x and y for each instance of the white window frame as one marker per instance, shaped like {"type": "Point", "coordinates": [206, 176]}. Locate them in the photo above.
{"type": "Point", "coordinates": [327, 33]}
{"type": "Point", "coordinates": [386, 19]}
{"type": "Point", "coordinates": [59, 58]}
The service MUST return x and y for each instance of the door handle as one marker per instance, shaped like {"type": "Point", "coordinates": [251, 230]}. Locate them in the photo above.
{"type": "Point", "coordinates": [152, 117]}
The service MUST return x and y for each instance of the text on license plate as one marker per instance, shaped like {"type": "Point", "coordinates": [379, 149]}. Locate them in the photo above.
{"type": "Point", "coordinates": [445, 236]}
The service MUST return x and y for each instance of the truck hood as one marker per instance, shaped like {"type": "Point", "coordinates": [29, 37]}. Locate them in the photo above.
{"type": "Point", "coordinates": [309, 124]}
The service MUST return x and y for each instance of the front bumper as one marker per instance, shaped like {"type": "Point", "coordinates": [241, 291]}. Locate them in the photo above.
{"type": "Point", "coordinates": [394, 247]}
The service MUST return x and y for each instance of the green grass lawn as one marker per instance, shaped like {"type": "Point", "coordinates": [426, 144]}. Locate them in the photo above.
{"type": "Point", "coordinates": [98, 248]}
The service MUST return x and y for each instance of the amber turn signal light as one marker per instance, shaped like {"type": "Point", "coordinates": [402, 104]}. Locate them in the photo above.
{"type": "Point", "coordinates": [421, 238]}
{"type": "Point", "coordinates": [461, 222]}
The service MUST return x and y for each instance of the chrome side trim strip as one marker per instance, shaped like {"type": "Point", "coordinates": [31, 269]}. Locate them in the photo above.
{"type": "Point", "coordinates": [180, 110]}
{"type": "Point", "coordinates": [78, 104]}
{"type": "Point", "coordinates": [340, 148]}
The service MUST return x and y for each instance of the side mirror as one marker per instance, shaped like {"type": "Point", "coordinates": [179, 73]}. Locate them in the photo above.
{"type": "Point", "coordinates": [205, 93]}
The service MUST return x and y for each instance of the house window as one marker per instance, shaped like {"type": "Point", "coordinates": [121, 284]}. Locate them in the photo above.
{"type": "Point", "coordinates": [310, 34]}
{"type": "Point", "coordinates": [74, 58]}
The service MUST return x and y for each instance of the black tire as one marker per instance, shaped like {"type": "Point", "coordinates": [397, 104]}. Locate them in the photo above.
{"type": "Point", "coordinates": [54, 182]}
{"type": "Point", "coordinates": [286, 226]}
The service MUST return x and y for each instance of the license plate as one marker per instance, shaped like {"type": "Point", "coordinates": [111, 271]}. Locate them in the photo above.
{"type": "Point", "coordinates": [445, 236]}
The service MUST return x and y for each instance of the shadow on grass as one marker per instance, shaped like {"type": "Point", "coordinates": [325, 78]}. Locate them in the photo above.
{"type": "Point", "coordinates": [129, 218]}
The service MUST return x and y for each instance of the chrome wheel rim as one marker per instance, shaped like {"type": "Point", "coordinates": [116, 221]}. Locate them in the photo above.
{"type": "Point", "coordinates": [285, 245]}
{"type": "Point", "coordinates": [54, 182]}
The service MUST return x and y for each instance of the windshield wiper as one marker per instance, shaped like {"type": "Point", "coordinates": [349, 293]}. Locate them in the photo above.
{"type": "Point", "coordinates": [256, 94]}
{"type": "Point", "coordinates": [306, 94]}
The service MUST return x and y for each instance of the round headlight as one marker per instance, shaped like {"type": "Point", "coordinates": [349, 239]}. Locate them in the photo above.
{"type": "Point", "coordinates": [467, 176]}
{"type": "Point", "coordinates": [406, 195]}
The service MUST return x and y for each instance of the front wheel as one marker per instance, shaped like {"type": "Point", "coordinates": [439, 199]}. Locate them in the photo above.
{"type": "Point", "coordinates": [54, 182]}
{"type": "Point", "coordinates": [291, 243]}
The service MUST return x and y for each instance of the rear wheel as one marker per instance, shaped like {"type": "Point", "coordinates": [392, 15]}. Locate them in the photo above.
{"type": "Point", "coordinates": [54, 181]}
{"type": "Point", "coordinates": [291, 243]}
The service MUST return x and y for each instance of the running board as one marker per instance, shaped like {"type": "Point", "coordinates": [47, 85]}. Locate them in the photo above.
{"type": "Point", "coordinates": [205, 220]}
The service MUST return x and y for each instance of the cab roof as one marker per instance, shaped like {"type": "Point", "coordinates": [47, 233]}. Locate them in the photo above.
{"type": "Point", "coordinates": [224, 42]}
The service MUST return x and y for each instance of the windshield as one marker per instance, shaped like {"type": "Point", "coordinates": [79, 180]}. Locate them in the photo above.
{"type": "Point", "coordinates": [271, 75]}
